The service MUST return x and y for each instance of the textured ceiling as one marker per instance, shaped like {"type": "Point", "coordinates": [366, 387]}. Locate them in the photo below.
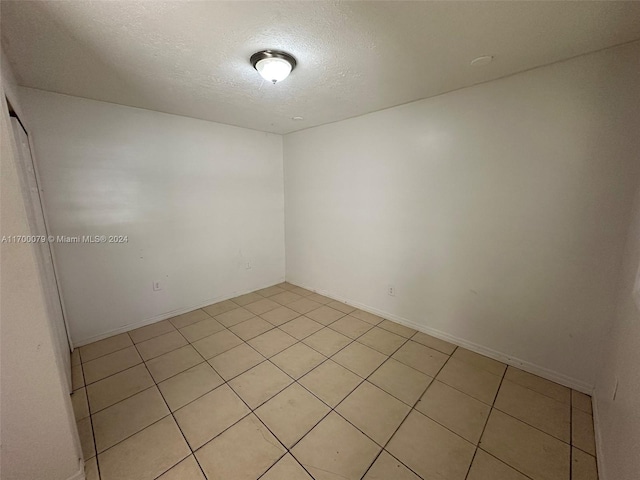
{"type": "Point", "coordinates": [192, 58]}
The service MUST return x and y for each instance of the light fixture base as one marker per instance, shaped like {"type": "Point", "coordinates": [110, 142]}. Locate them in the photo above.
{"type": "Point", "coordinates": [259, 60]}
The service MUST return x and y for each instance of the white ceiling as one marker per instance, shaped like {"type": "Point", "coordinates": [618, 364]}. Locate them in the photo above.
{"type": "Point", "coordinates": [192, 58]}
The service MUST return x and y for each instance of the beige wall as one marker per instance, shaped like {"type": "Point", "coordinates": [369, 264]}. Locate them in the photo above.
{"type": "Point", "coordinates": [618, 419]}
{"type": "Point", "coordinates": [37, 427]}
{"type": "Point", "coordinates": [498, 212]}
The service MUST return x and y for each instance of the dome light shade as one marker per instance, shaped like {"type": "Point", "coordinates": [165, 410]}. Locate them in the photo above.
{"type": "Point", "coordinates": [272, 65]}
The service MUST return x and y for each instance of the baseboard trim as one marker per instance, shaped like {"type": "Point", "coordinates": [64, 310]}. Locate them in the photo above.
{"type": "Point", "coordinates": [164, 316]}
{"type": "Point", "coordinates": [79, 474]}
{"type": "Point", "coordinates": [602, 471]}
{"type": "Point", "coordinates": [543, 372]}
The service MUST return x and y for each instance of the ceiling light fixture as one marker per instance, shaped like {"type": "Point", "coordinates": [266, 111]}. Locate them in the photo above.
{"type": "Point", "coordinates": [273, 65]}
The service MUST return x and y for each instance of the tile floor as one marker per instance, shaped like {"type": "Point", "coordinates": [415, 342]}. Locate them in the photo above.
{"type": "Point", "coordinates": [285, 384]}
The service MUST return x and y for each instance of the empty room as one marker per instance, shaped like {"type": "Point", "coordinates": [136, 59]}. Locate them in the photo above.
{"type": "Point", "coordinates": [330, 240]}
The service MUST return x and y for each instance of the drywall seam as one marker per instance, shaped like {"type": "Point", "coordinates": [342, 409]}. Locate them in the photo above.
{"type": "Point", "coordinates": [164, 316]}
{"type": "Point", "coordinates": [543, 372]}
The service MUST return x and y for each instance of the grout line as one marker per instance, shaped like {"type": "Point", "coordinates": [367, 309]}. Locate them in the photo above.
{"type": "Point", "coordinates": [484, 427]}
{"type": "Point", "coordinates": [384, 447]}
{"type": "Point", "coordinates": [297, 381]}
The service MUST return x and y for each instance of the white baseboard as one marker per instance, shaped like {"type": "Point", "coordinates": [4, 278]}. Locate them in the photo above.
{"type": "Point", "coordinates": [543, 372]}
{"type": "Point", "coordinates": [79, 474]}
{"type": "Point", "coordinates": [602, 471]}
{"type": "Point", "coordinates": [164, 316]}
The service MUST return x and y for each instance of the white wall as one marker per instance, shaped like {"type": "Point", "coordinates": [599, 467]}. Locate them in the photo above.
{"type": "Point", "coordinates": [498, 211]}
{"type": "Point", "coordinates": [197, 200]}
{"type": "Point", "coordinates": [37, 427]}
{"type": "Point", "coordinates": [618, 421]}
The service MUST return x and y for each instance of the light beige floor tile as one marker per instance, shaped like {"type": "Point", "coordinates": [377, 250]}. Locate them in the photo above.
{"type": "Point", "coordinates": [187, 469]}
{"type": "Point", "coordinates": [457, 411]}
{"type": "Point", "coordinates": [149, 331]}
{"type": "Point", "coordinates": [473, 381]}
{"type": "Point", "coordinates": [316, 297]}
{"type": "Point", "coordinates": [262, 306]}
{"type": "Point", "coordinates": [103, 347]}
{"type": "Point", "coordinates": [189, 385]}
{"type": "Point", "coordinates": [374, 412]}
{"type": "Point", "coordinates": [403, 382]}
{"type": "Point", "coordinates": [479, 361]}
{"type": "Point", "coordinates": [204, 328]}
{"type": "Point", "coordinates": [272, 342]}
{"type": "Point", "coordinates": [325, 315]}
{"type": "Point", "coordinates": [287, 468]}
{"type": "Point", "coordinates": [189, 318]}
{"type": "Point", "coordinates": [251, 328]}
{"type": "Point", "coordinates": [244, 451]}
{"type": "Point", "coordinates": [259, 384]}
{"type": "Point", "coordinates": [359, 358]}
{"type": "Point", "coordinates": [246, 299]}
{"type": "Point", "coordinates": [539, 384]}
{"type": "Point", "coordinates": [286, 286]}
{"type": "Point", "coordinates": [80, 403]}
{"type": "Point", "coordinates": [303, 305]}
{"type": "Point", "coordinates": [382, 340]}
{"type": "Point", "coordinates": [280, 315]}
{"type": "Point", "coordinates": [537, 410]}
{"type": "Point", "coordinates": [334, 449]}
{"type": "Point", "coordinates": [117, 387]}
{"type": "Point", "coordinates": [527, 449]}
{"type": "Point", "coordinates": [160, 345]}
{"type": "Point", "coordinates": [486, 467]}
{"type": "Point", "coordinates": [119, 421]}
{"type": "Point", "coordinates": [388, 468]}
{"type": "Point", "coordinates": [303, 292]}
{"type": "Point", "coordinates": [350, 326]}
{"type": "Point", "coordinates": [583, 466]}
{"type": "Point", "coordinates": [220, 308]}
{"type": "Point", "coordinates": [91, 469]}
{"type": "Point", "coordinates": [285, 297]}
{"type": "Point", "coordinates": [397, 328]}
{"type": "Point", "coordinates": [292, 413]}
{"type": "Point", "coordinates": [581, 401]}
{"type": "Point", "coordinates": [77, 377]}
{"type": "Point", "coordinates": [330, 382]}
{"type": "Point", "coordinates": [209, 415]}
{"type": "Point", "coordinates": [109, 364]}
{"type": "Point", "coordinates": [233, 362]}
{"type": "Point", "coordinates": [301, 327]}
{"type": "Point", "coordinates": [298, 360]}
{"type": "Point", "coordinates": [431, 450]}
{"type": "Point", "coordinates": [145, 455]}
{"type": "Point", "coordinates": [85, 432]}
{"type": "Point", "coordinates": [233, 317]}
{"type": "Point", "coordinates": [216, 344]}
{"type": "Point", "coordinates": [327, 341]}
{"type": "Point", "coordinates": [433, 342]}
{"type": "Point", "coordinates": [343, 307]}
{"type": "Point", "coordinates": [75, 357]}
{"type": "Point", "coordinates": [367, 317]}
{"type": "Point", "coordinates": [582, 435]}
{"type": "Point", "coordinates": [174, 362]}
{"type": "Point", "coordinates": [425, 359]}
{"type": "Point", "coordinates": [270, 291]}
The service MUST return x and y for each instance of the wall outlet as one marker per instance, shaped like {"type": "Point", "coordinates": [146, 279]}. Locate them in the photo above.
{"type": "Point", "coordinates": [157, 286]}
{"type": "Point", "coordinates": [391, 290]}
{"type": "Point", "coordinates": [248, 265]}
